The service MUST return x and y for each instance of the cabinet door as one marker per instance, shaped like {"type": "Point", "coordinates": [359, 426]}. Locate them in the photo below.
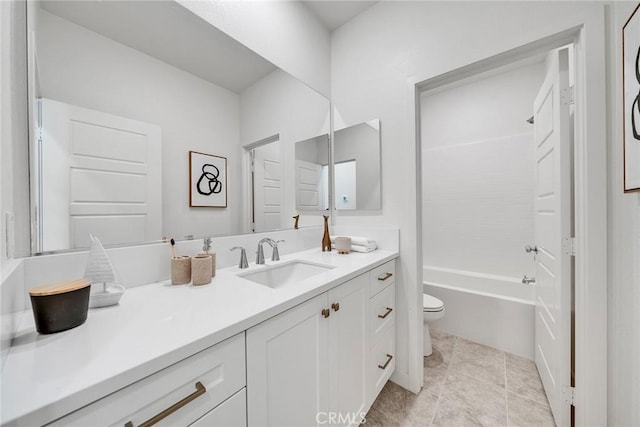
{"type": "Point", "coordinates": [348, 342]}
{"type": "Point", "coordinates": [287, 367]}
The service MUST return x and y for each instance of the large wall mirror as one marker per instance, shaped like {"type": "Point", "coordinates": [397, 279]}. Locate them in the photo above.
{"type": "Point", "coordinates": [122, 92]}
{"type": "Point", "coordinates": [357, 167]}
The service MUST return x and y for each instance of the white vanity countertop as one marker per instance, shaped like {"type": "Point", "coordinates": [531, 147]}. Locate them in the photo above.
{"type": "Point", "coordinates": [154, 326]}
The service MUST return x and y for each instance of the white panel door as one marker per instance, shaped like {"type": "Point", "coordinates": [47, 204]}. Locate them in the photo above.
{"type": "Point", "coordinates": [100, 174]}
{"type": "Point", "coordinates": [268, 191]}
{"type": "Point", "coordinates": [309, 194]}
{"type": "Point", "coordinates": [552, 225]}
{"type": "Point", "coordinates": [348, 343]}
{"type": "Point", "coordinates": [287, 367]}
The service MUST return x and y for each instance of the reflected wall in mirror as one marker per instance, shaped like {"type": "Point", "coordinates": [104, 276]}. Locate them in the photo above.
{"type": "Point", "coordinates": [276, 112]}
{"type": "Point", "coordinates": [126, 90]}
{"type": "Point", "coordinates": [312, 174]}
{"type": "Point", "coordinates": [357, 167]}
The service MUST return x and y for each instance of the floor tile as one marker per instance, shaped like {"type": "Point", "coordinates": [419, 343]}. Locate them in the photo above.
{"type": "Point", "coordinates": [466, 384]}
{"type": "Point", "coordinates": [523, 378]}
{"type": "Point", "coordinates": [375, 418]}
{"type": "Point", "coordinates": [391, 401]}
{"type": "Point", "coordinates": [468, 401]}
{"type": "Point", "coordinates": [525, 412]}
{"type": "Point", "coordinates": [486, 366]}
{"type": "Point", "coordinates": [420, 408]}
{"type": "Point", "coordinates": [435, 372]}
{"type": "Point", "coordinates": [444, 342]}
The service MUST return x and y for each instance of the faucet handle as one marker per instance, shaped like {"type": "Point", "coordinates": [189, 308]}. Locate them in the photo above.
{"type": "Point", "coordinates": [275, 255]}
{"type": "Point", "coordinates": [243, 257]}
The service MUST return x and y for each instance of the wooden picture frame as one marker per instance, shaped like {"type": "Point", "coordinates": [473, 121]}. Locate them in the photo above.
{"type": "Point", "coordinates": [207, 180]}
{"type": "Point", "coordinates": [631, 101]}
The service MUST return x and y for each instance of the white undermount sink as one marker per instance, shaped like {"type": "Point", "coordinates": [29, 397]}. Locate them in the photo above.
{"type": "Point", "coordinates": [286, 273]}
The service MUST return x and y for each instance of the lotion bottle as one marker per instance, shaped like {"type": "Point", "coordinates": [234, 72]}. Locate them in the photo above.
{"type": "Point", "coordinates": [206, 250]}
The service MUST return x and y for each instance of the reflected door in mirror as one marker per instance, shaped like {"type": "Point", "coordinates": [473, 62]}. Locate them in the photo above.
{"type": "Point", "coordinates": [99, 174]}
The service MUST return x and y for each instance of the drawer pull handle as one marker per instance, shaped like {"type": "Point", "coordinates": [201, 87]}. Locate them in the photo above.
{"type": "Point", "coordinates": [389, 357]}
{"type": "Point", "coordinates": [385, 276]}
{"type": "Point", "coordinates": [200, 390]}
{"type": "Point", "coordinates": [335, 306]}
{"type": "Point", "coordinates": [384, 316]}
{"type": "Point", "coordinates": [326, 313]}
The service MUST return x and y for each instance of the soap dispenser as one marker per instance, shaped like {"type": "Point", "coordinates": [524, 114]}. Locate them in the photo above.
{"type": "Point", "coordinates": [206, 250]}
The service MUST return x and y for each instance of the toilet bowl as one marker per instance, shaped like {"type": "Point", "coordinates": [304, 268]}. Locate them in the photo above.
{"type": "Point", "coordinates": [432, 310]}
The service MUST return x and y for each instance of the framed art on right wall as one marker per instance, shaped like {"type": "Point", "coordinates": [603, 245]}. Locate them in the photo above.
{"type": "Point", "coordinates": [631, 100]}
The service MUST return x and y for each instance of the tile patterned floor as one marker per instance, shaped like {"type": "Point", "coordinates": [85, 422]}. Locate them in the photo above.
{"type": "Point", "coordinates": [466, 384]}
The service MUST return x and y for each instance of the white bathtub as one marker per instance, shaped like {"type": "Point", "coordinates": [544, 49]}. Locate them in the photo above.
{"type": "Point", "coordinates": [493, 310]}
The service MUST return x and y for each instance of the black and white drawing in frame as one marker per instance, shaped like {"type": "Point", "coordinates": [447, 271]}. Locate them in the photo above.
{"type": "Point", "coordinates": [631, 97]}
{"type": "Point", "coordinates": [207, 180]}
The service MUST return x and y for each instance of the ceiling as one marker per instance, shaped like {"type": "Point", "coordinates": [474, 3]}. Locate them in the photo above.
{"type": "Point", "coordinates": [335, 13]}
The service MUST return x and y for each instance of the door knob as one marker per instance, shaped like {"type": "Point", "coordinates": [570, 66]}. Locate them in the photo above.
{"type": "Point", "coordinates": [335, 306]}
{"type": "Point", "coordinates": [530, 249]}
{"type": "Point", "coordinates": [326, 313]}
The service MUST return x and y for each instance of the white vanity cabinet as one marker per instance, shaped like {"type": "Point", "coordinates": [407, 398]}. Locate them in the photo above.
{"type": "Point", "coordinates": [382, 337]}
{"type": "Point", "coordinates": [207, 388]}
{"type": "Point", "coordinates": [306, 364]}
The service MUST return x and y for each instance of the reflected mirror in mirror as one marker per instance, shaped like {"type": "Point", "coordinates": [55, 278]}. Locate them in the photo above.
{"type": "Point", "coordinates": [312, 174]}
{"type": "Point", "coordinates": [124, 90]}
{"type": "Point", "coordinates": [357, 167]}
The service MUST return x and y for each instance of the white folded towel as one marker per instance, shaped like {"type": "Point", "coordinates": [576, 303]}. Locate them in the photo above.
{"type": "Point", "coordinates": [355, 240]}
{"type": "Point", "coordinates": [360, 248]}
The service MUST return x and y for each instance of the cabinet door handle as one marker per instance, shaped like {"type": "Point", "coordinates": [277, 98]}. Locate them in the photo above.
{"type": "Point", "coordinates": [200, 390]}
{"type": "Point", "coordinates": [335, 306]}
{"type": "Point", "coordinates": [326, 312]}
{"type": "Point", "coordinates": [384, 316]}
{"type": "Point", "coordinates": [389, 357]}
{"type": "Point", "coordinates": [385, 276]}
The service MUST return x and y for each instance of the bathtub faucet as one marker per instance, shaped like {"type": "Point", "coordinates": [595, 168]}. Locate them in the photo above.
{"type": "Point", "coordinates": [528, 280]}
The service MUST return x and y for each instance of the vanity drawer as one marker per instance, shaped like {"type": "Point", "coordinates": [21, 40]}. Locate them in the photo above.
{"type": "Point", "coordinates": [382, 312]}
{"type": "Point", "coordinates": [230, 413]}
{"type": "Point", "coordinates": [382, 361]}
{"type": "Point", "coordinates": [196, 385]}
{"type": "Point", "coordinates": [382, 276]}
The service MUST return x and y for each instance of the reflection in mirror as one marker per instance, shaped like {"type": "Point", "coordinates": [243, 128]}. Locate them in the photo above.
{"type": "Point", "coordinates": [357, 167]}
{"type": "Point", "coordinates": [126, 90]}
{"type": "Point", "coordinates": [312, 174]}
{"type": "Point", "coordinates": [276, 112]}
{"type": "Point", "coordinates": [266, 186]}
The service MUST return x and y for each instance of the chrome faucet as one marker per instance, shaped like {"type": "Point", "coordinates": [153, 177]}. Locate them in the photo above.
{"type": "Point", "coordinates": [275, 255]}
{"type": "Point", "coordinates": [243, 257]}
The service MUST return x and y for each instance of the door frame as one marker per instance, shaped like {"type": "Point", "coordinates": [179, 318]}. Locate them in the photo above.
{"type": "Point", "coordinates": [587, 33]}
{"type": "Point", "coordinates": [247, 182]}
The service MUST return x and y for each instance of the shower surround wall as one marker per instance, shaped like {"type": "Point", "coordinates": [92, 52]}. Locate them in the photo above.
{"type": "Point", "coordinates": [478, 206]}
{"type": "Point", "coordinates": [478, 174]}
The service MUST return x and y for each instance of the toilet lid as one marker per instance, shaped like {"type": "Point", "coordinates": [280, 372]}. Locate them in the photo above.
{"type": "Point", "coordinates": [430, 303]}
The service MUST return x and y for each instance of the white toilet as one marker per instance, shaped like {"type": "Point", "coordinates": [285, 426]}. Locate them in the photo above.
{"type": "Point", "coordinates": [432, 310]}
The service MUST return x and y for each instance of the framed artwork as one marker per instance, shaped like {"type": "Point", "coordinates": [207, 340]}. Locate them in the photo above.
{"type": "Point", "coordinates": [631, 100]}
{"type": "Point", "coordinates": [207, 180]}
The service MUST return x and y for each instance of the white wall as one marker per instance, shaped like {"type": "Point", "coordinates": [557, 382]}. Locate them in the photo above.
{"type": "Point", "coordinates": [284, 32]}
{"type": "Point", "coordinates": [83, 68]}
{"type": "Point", "coordinates": [477, 173]}
{"type": "Point", "coordinates": [624, 250]}
{"type": "Point", "coordinates": [377, 56]}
